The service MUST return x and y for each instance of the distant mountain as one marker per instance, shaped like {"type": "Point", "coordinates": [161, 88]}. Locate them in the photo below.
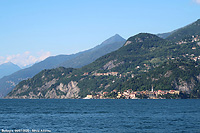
{"type": "Point", "coordinates": [75, 60]}
{"type": "Point", "coordinates": [109, 45]}
{"type": "Point", "coordinates": [7, 83]}
{"type": "Point", "coordinates": [164, 35]}
{"type": "Point", "coordinates": [8, 68]}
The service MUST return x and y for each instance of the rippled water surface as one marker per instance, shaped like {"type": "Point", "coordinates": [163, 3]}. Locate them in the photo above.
{"type": "Point", "coordinates": [100, 115]}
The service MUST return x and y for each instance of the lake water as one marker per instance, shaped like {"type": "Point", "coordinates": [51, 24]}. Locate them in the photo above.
{"type": "Point", "coordinates": [123, 116]}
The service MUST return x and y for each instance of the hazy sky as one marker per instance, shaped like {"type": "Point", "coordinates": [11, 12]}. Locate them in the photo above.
{"type": "Point", "coordinates": [32, 30]}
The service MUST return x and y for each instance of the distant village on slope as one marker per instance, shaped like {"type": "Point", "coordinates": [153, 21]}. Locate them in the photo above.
{"type": "Point", "coordinates": [129, 94]}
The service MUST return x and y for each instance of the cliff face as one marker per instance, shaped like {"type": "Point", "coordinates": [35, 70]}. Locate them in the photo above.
{"type": "Point", "coordinates": [185, 86]}
{"type": "Point", "coordinates": [47, 84]}
{"type": "Point", "coordinates": [62, 91]}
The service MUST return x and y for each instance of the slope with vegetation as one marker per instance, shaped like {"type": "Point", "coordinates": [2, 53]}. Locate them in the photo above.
{"type": "Point", "coordinates": [187, 31]}
{"type": "Point", "coordinates": [75, 60]}
{"type": "Point", "coordinates": [143, 61]}
{"type": "Point", "coordinates": [181, 74]}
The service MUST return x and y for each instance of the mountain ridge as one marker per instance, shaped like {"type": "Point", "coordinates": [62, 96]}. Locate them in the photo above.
{"type": "Point", "coordinates": [186, 31]}
{"type": "Point", "coordinates": [141, 54]}
{"type": "Point", "coordinates": [107, 46]}
{"type": "Point", "coordinates": [114, 64]}
{"type": "Point", "coordinates": [8, 68]}
{"type": "Point", "coordinates": [7, 83]}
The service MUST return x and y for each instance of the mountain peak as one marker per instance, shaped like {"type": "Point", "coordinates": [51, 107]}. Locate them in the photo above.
{"type": "Point", "coordinates": [113, 39]}
{"type": "Point", "coordinates": [142, 37]}
{"type": "Point", "coordinates": [117, 35]}
{"type": "Point", "coordinates": [8, 68]}
{"type": "Point", "coordinates": [8, 64]}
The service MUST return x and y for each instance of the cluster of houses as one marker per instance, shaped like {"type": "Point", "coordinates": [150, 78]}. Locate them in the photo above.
{"type": "Point", "coordinates": [103, 74]}
{"type": "Point", "coordinates": [106, 74]}
{"type": "Point", "coordinates": [129, 94]}
{"type": "Point", "coordinates": [195, 38]}
{"type": "Point", "coordinates": [192, 57]}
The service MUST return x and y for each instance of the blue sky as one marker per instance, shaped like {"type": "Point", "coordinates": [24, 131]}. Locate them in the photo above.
{"type": "Point", "coordinates": [32, 30]}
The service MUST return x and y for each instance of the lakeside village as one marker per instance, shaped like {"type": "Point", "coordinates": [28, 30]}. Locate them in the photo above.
{"type": "Point", "coordinates": [129, 94]}
{"type": "Point", "coordinates": [160, 94]}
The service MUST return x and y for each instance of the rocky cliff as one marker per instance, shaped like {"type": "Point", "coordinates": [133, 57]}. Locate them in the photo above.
{"type": "Point", "coordinates": [62, 91]}
{"type": "Point", "coordinates": [47, 85]}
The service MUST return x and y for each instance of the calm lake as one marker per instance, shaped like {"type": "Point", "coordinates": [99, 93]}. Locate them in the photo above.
{"type": "Point", "coordinates": [123, 116]}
